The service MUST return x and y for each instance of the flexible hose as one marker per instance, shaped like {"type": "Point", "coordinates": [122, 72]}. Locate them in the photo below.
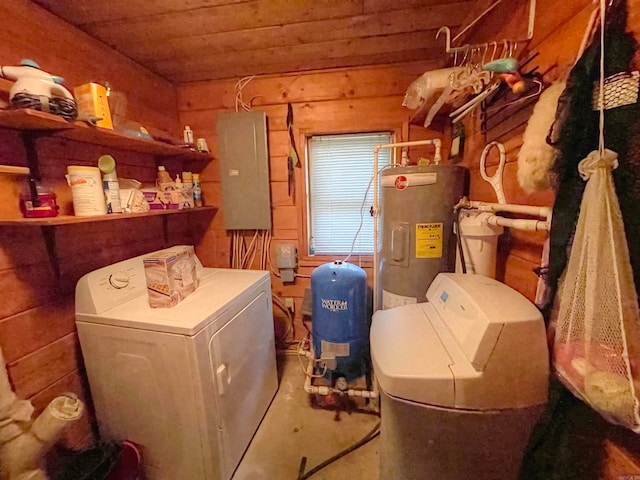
{"type": "Point", "coordinates": [366, 439]}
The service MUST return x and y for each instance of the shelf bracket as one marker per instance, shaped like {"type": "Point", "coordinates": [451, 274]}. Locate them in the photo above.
{"type": "Point", "coordinates": [29, 141]}
{"type": "Point", "coordinates": [49, 235]}
{"type": "Point", "coordinates": [31, 151]}
{"type": "Point", "coordinates": [165, 229]}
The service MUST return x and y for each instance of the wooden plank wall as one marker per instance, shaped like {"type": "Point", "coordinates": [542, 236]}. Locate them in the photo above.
{"type": "Point", "coordinates": [29, 31]}
{"type": "Point", "coordinates": [353, 100]}
{"type": "Point", "coordinates": [37, 330]}
{"type": "Point", "coordinates": [36, 315]}
{"type": "Point", "coordinates": [369, 98]}
{"type": "Point", "coordinates": [559, 29]}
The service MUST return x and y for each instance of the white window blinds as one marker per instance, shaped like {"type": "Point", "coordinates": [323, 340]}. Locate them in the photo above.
{"type": "Point", "coordinates": [340, 168]}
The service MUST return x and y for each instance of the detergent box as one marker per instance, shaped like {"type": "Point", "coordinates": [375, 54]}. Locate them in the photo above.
{"type": "Point", "coordinates": [92, 101]}
{"type": "Point", "coordinates": [170, 275]}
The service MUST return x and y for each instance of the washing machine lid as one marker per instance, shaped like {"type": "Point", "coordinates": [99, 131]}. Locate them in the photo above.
{"type": "Point", "coordinates": [219, 291]}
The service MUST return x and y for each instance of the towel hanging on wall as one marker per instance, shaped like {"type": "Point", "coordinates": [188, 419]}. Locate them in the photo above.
{"type": "Point", "coordinates": [536, 156]}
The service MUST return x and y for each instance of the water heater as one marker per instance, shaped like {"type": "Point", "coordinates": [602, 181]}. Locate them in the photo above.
{"type": "Point", "coordinates": [417, 222]}
{"type": "Point", "coordinates": [341, 320]}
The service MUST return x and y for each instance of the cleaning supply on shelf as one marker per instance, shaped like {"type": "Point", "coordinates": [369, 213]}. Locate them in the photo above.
{"type": "Point", "coordinates": [187, 135]}
{"type": "Point", "coordinates": [167, 194]}
{"type": "Point", "coordinates": [178, 193]}
{"type": "Point", "coordinates": [201, 145]}
{"type": "Point", "coordinates": [47, 199]}
{"type": "Point", "coordinates": [163, 180]}
{"type": "Point", "coordinates": [93, 101]}
{"type": "Point", "coordinates": [197, 190]}
{"type": "Point", "coordinates": [110, 185]}
{"type": "Point", "coordinates": [187, 190]}
{"type": "Point", "coordinates": [86, 190]}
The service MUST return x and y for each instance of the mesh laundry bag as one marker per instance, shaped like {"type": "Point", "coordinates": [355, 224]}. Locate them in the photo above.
{"type": "Point", "coordinates": [597, 342]}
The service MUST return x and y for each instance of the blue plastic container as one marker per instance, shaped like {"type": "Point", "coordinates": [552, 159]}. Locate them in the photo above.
{"type": "Point", "coordinates": [341, 319]}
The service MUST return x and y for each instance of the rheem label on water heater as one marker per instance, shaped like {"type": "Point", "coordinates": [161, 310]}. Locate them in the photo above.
{"type": "Point", "coordinates": [429, 240]}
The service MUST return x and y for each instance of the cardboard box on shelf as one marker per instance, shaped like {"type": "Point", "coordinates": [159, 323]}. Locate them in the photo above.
{"type": "Point", "coordinates": [171, 276]}
{"type": "Point", "coordinates": [158, 200]}
{"type": "Point", "coordinates": [92, 101]}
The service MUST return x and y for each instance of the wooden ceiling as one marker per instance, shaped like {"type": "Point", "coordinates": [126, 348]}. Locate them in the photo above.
{"type": "Point", "coordinates": [191, 40]}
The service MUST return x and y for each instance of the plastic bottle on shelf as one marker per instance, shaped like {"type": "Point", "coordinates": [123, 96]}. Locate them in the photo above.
{"type": "Point", "coordinates": [197, 190]}
{"type": "Point", "coordinates": [163, 179]}
{"type": "Point", "coordinates": [110, 185]}
{"type": "Point", "coordinates": [187, 189]}
{"type": "Point", "coordinates": [187, 135]}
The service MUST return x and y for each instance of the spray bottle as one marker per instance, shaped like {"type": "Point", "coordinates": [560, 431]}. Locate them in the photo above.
{"type": "Point", "coordinates": [107, 166]}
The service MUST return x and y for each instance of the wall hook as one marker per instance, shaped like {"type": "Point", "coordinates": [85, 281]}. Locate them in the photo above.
{"type": "Point", "coordinates": [447, 33]}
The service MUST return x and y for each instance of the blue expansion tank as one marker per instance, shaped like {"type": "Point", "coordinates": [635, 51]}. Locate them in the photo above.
{"type": "Point", "coordinates": [341, 320]}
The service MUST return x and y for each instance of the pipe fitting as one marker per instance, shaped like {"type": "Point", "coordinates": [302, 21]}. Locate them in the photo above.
{"type": "Point", "coordinates": [23, 444]}
{"type": "Point", "coordinates": [325, 390]}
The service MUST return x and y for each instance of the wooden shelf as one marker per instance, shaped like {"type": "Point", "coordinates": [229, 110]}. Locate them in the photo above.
{"type": "Point", "coordinates": [70, 219]}
{"type": "Point", "coordinates": [55, 125]}
{"type": "Point", "coordinates": [34, 124]}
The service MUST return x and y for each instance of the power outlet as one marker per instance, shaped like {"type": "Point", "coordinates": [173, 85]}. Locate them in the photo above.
{"type": "Point", "coordinates": [289, 303]}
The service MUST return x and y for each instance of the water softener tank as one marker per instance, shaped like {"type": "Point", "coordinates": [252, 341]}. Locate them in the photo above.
{"type": "Point", "coordinates": [417, 221]}
{"type": "Point", "coordinates": [341, 320]}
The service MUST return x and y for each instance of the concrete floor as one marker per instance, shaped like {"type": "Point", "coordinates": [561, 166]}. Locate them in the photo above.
{"type": "Point", "coordinates": [293, 428]}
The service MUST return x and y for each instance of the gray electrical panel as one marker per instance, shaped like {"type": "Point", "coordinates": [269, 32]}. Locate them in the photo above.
{"type": "Point", "coordinates": [244, 170]}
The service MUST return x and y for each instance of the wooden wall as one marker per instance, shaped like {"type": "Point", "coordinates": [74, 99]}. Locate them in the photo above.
{"type": "Point", "coordinates": [354, 100]}
{"type": "Point", "coordinates": [28, 31]}
{"type": "Point", "coordinates": [559, 29]}
{"type": "Point", "coordinates": [37, 330]}
{"type": "Point", "coordinates": [369, 98]}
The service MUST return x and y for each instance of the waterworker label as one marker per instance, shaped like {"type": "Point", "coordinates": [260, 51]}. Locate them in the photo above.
{"type": "Point", "coordinates": [428, 240]}
{"type": "Point", "coordinates": [334, 305]}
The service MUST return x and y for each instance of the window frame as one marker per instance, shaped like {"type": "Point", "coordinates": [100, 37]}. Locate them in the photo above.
{"type": "Point", "coordinates": [365, 260]}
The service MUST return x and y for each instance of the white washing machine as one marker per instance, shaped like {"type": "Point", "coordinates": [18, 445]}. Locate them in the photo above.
{"type": "Point", "coordinates": [463, 380]}
{"type": "Point", "coordinates": [189, 384]}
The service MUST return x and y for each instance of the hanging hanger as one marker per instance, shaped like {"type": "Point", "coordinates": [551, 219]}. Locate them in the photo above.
{"type": "Point", "coordinates": [454, 50]}
{"type": "Point", "coordinates": [538, 91]}
{"type": "Point", "coordinates": [468, 107]}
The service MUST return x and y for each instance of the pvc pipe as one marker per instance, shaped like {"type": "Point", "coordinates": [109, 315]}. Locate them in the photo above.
{"type": "Point", "coordinates": [544, 212]}
{"type": "Point", "coordinates": [326, 390]}
{"type": "Point", "coordinates": [23, 454]}
{"type": "Point", "coordinates": [22, 446]}
{"type": "Point", "coordinates": [12, 409]}
{"type": "Point", "coordinates": [517, 223]}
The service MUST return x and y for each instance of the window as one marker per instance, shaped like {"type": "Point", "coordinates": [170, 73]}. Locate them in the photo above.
{"type": "Point", "coordinates": [339, 170]}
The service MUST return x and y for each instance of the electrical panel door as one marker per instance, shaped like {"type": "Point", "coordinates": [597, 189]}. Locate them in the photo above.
{"type": "Point", "coordinates": [244, 170]}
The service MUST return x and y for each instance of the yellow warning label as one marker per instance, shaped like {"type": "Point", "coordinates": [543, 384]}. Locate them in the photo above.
{"type": "Point", "coordinates": [428, 240]}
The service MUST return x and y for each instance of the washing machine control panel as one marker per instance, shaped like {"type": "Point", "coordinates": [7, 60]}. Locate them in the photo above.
{"type": "Point", "coordinates": [119, 280]}
{"type": "Point", "coordinates": [115, 280]}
